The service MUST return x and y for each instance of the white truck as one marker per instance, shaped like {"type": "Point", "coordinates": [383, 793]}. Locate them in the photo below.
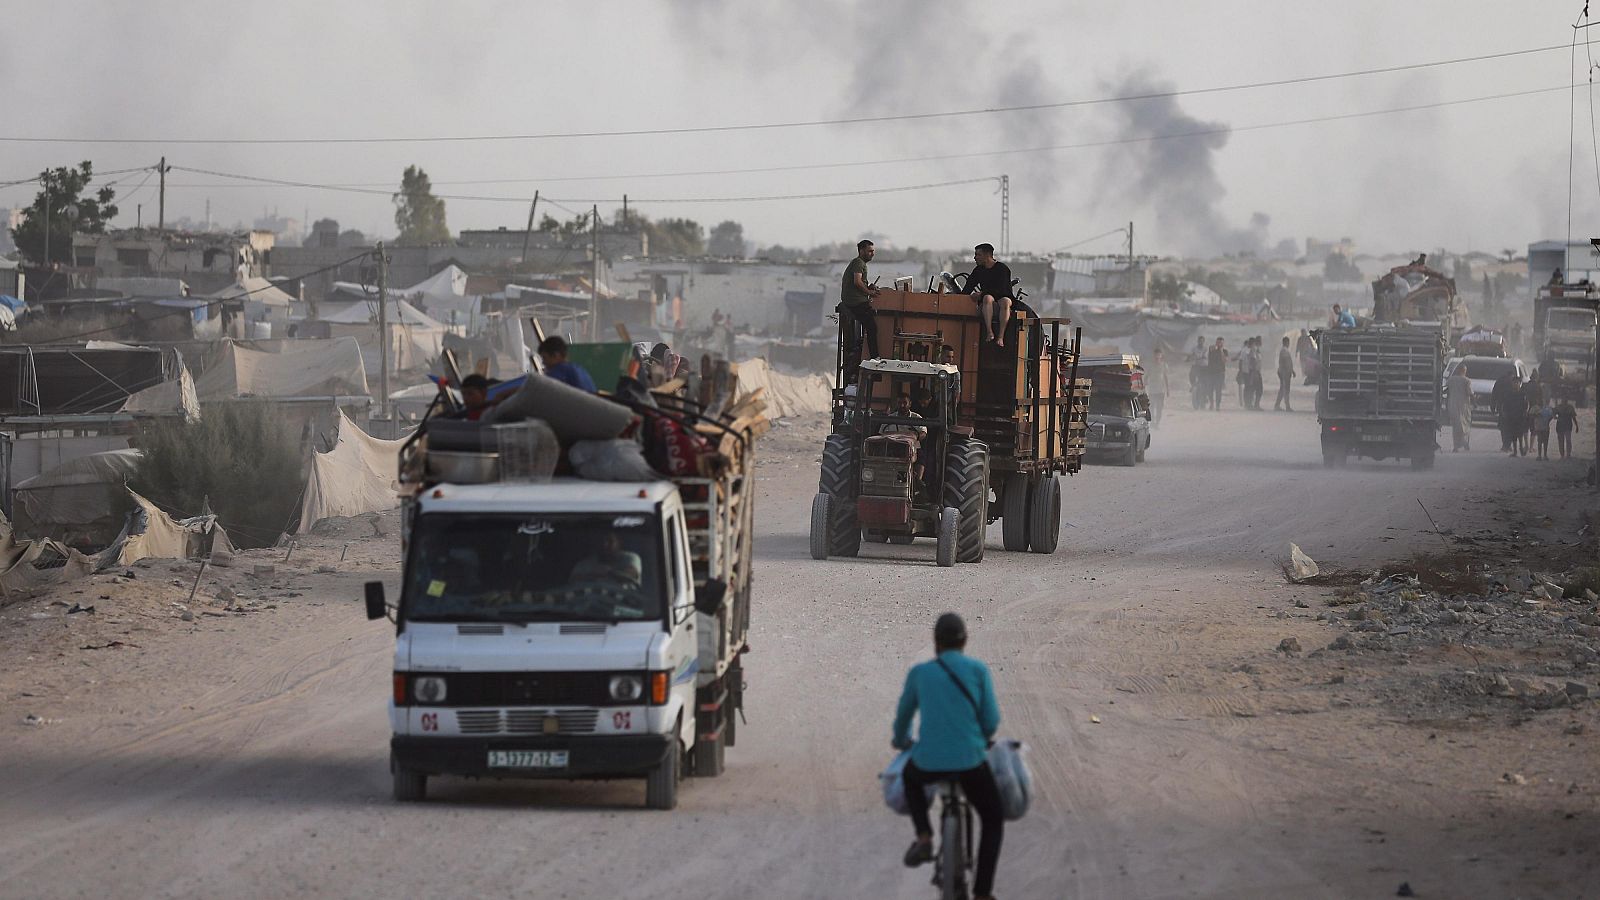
{"type": "Point", "coordinates": [569, 629]}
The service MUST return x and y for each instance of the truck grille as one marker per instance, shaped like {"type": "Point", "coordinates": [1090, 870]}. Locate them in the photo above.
{"type": "Point", "coordinates": [525, 721]}
{"type": "Point", "coordinates": [501, 689]}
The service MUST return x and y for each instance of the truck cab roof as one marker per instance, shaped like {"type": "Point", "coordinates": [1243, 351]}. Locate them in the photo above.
{"type": "Point", "coordinates": [556, 495]}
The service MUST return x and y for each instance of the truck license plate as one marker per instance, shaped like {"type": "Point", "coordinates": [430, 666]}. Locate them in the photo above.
{"type": "Point", "coordinates": [1375, 437]}
{"type": "Point", "coordinates": [527, 759]}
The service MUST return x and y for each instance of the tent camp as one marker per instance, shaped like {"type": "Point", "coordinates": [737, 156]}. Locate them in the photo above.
{"type": "Point", "coordinates": [415, 339]}
{"type": "Point", "coordinates": [301, 369]}
{"type": "Point", "coordinates": [261, 298]}
{"type": "Point", "coordinates": [355, 477]}
{"type": "Point", "coordinates": [442, 294]}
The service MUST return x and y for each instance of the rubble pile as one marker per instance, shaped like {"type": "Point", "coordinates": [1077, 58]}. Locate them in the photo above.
{"type": "Point", "coordinates": [1524, 636]}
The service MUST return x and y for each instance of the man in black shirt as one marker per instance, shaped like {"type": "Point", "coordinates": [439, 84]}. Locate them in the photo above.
{"type": "Point", "coordinates": [990, 286]}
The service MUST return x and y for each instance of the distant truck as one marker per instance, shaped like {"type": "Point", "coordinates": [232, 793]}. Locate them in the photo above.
{"type": "Point", "coordinates": [1563, 336]}
{"type": "Point", "coordinates": [1381, 393]}
{"type": "Point", "coordinates": [569, 628]}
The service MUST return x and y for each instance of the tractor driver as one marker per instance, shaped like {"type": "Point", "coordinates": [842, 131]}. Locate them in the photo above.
{"type": "Point", "coordinates": [990, 286]}
{"type": "Point", "coordinates": [913, 433]}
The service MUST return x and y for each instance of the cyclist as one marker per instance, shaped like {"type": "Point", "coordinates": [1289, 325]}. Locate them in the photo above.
{"type": "Point", "coordinates": [955, 696]}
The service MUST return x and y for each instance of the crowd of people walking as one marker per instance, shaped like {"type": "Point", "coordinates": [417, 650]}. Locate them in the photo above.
{"type": "Point", "coordinates": [1208, 371]}
{"type": "Point", "coordinates": [1526, 414]}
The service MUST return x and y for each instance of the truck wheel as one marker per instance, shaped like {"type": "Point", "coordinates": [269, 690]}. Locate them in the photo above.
{"type": "Point", "coordinates": [838, 482]}
{"type": "Point", "coordinates": [1129, 458]}
{"type": "Point", "coordinates": [966, 488]}
{"type": "Point", "coordinates": [1139, 456]}
{"type": "Point", "coordinates": [1014, 513]}
{"type": "Point", "coordinates": [1423, 460]}
{"type": "Point", "coordinates": [661, 785]}
{"type": "Point", "coordinates": [409, 786]}
{"type": "Point", "coordinates": [821, 518]}
{"type": "Point", "coordinates": [949, 525]}
{"type": "Point", "coordinates": [1044, 525]}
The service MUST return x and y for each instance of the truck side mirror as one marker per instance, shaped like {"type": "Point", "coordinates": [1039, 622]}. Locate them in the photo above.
{"type": "Point", "coordinates": [376, 607]}
{"type": "Point", "coordinates": [708, 597]}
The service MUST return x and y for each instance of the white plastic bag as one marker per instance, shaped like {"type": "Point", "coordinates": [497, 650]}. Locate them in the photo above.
{"type": "Point", "coordinates": [613, 460]}
{"type": "Point", "coordinates": [1008, 761]}
{"type": "Point", "coordinates": [894, 786]}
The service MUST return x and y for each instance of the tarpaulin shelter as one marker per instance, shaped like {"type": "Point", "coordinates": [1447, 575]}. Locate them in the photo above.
{"type": "Point", "coordinates": [299, 369]}
{"type": "Point", "coordinates": [81, 501]}
{"type": "Point", "coordinates": [356, 476]}
{"type": "Point", "coordinates": [151, 533]}
{"type": "Point", "coordinates": [175, 397]}
{"type": "Point", "coordinates": [42, 380]}
{"type": "Point", "coordinates": [416, 338]}
{"type": "Point", "coordinates": [443, 293]}
{"type": "Point", "coordinates": [786, 395]}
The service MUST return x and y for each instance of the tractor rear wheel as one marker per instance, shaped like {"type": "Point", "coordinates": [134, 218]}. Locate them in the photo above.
{"type": "Point", "coordinates": [966, 488]}
{"type": "Point", "coordinates": [838, 482]}
{"type": "Point", "coordinates": [1014, 512]}
{"type": "Point", "coordinates": [1044, 519]}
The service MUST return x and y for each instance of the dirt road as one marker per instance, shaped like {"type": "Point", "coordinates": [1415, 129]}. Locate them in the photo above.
{"type": "Point", "coordinates": [245, 755]}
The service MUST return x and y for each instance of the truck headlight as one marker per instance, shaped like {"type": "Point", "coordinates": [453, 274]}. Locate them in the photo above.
{"type": "Point", "coordinates": [867, 475]}
{"type": "Point", "coordinates": [626, 687]}
{"type": "Point", "coordinates": [428, 690]}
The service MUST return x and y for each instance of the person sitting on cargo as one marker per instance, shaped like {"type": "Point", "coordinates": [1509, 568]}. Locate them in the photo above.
{"type": "Point", "coordinates": [1342, 317]}
{"type": "Point", "coordinates": [474, 397]}
{"type": "Point", "coordinates": [990, 287]}
{"type": "Point", "coordinates": [610, 563]}
{"type": "Point", "coordinates": [553, 353]}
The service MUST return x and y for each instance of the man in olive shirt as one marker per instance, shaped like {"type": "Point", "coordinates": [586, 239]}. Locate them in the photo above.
{"type": "Point", "coordinates": [855, 304]}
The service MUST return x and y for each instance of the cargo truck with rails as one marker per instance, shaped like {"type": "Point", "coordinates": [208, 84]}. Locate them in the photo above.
{"type": "Point", "coordinates": [1381, 393]}
{"type": "Point", "coordinates": [1008, 420]}
{"type": "Point", "coordinates": [1564, 338]}
{"type": "Point", "coordinates": [568, 628]}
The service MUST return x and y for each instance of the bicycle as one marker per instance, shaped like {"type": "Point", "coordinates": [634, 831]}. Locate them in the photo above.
{"type": "Point", "coordinates": [954, 860]}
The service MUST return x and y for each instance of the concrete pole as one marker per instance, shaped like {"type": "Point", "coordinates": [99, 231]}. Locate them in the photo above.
{"type": "Point", "coordinates": [383, 331]}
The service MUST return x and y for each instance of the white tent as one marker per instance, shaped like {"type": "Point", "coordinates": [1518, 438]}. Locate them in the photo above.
{"type": "Point", "coordinates": [301, 369]}
{"type": "Point", "coordinates": [255, 290]}
{"type": "Point", "coordinates": [443, 293]}
{"type": "Point", "coordinates": [415, 339]}
{"type": "Point", "coordinates": [357, 476]}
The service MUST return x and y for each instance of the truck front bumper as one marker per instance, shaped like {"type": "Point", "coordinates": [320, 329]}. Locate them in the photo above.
{"type": "Point", "coordinates": [629, 755]}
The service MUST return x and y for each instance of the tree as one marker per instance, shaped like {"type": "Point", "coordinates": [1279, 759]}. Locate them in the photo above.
{"type": "Point", "coordinates": [61, 203]}
{"type": "Point", "coordinates": [578, 225]}
{"type": "Point", "coordinates": [417, 212]}
{"type": "Point", "coordinates": [1167, 289]}
{"type": "Point", "coordinates": [727, 239]}
{"type": "Point", "coordinates": [676, 237]}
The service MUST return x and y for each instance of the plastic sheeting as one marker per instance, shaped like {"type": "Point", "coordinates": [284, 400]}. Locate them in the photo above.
{"type": "Point", "coordinates": [177, 396]}
{"type": "Point", "coordinates": [357, 476]}
{"type": "Point", "coordinates": [81, 500]}
{"type": "Point", "coordinates": [786, 395]}
{"type": "Point", "coordinates": [299, 369]}
{"type": "Point", "coordinates": [254, 289]}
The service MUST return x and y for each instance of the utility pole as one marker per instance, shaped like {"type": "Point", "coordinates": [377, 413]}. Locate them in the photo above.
{"type": "Point", "coordinates": [529, 233]}
{"type": "Point", "coordinates": [624, 210]}
{"type": "Point", "coordinates": [594, 286]}
{"type": "Point", "coordinates": [1130, 260]}
{"type": "Point", "coordinates": [161, 209]}
{"type": "Point", "coordinates": [1005, 215]}
{"type": "Point", "coordinates": [383, 331]}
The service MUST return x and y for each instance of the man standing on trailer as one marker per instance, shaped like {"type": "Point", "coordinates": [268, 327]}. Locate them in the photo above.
{"type": "Point", "coordinates": [990, 286]}
{"type": "Point", "coordinates": [855, 308]}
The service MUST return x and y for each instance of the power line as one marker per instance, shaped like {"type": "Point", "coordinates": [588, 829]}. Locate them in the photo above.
{"type": "Point", "coordinates": [1090, 240]}
{"type": "Point", "coordinates": [1052, 148]}
{"type": "Point", "coordinates": [800, 123]}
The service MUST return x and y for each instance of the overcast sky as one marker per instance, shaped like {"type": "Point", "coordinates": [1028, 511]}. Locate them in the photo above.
{"type": "Point", "coordinates": [1485, 175]}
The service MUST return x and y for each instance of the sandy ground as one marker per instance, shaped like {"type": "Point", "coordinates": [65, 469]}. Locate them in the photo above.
{"type": "Point", "coordinates": [242, 752]}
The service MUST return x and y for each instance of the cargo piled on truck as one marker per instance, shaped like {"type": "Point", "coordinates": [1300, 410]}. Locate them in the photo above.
{"type": "Point", "coordinates": [576, 590]}
{"type": "Point", "coordinates": [1564, 336]}
{"type": "Point", "coordinates": [1119, 408]}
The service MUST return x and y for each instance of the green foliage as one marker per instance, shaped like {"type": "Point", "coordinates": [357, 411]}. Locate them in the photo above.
{"type": "Point", "coordinates": [1167, 288]}
{"type": "Point", "coordinates": [676, 237]}
{"type": "Point", "coordinates": [578, 225]}
{"type": "Point", "coordinates": [1221, 282]}
{"type": "Point", "coordinates": [239, 457]}
{"type": "Point", "coordinates": [727, 240]}
{"type": "Point", "coordinates": [61, 203]}
{"type": "Point", "coordinates": [417, 212]}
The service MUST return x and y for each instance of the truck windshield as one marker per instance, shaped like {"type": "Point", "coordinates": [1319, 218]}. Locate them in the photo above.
{"type": "Point", "coordinates": [534, 568]}
{"type": "Point", "coordinates": [1110, 405]}
{"type": "Point", "coordinates": [1571, 320]}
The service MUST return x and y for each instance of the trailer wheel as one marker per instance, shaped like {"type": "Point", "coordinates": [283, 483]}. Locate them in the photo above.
{"type": "Point", "coordinates": [838, 482]}
{"type": "Point", "coordinates": [1044, 525]}
{"type": "Point", "coordinates": [1014, 512]}
{"type": "Point", "coordinates": [966, 488]}
{"type": "Point", "coordinates": [949, 526]}
{"type": "Point", "coordinates": [410, 786]}
{"type": "Point", "coordinates": [661, 785]}
{"type": "Point", "coordinates": [821, 518]}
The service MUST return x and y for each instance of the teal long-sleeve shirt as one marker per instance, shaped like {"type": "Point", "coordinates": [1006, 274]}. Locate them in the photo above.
{"type": "Point", "coordinates": [951, 737]}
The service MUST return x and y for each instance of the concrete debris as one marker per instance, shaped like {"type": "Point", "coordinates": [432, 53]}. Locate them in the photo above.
{"type": "Point", "coordinates": [1289, 645]}
{"type": "Point", "coordinates": [1302, 566]}
{"type": "Point", "coordinates": [1513, 778]}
